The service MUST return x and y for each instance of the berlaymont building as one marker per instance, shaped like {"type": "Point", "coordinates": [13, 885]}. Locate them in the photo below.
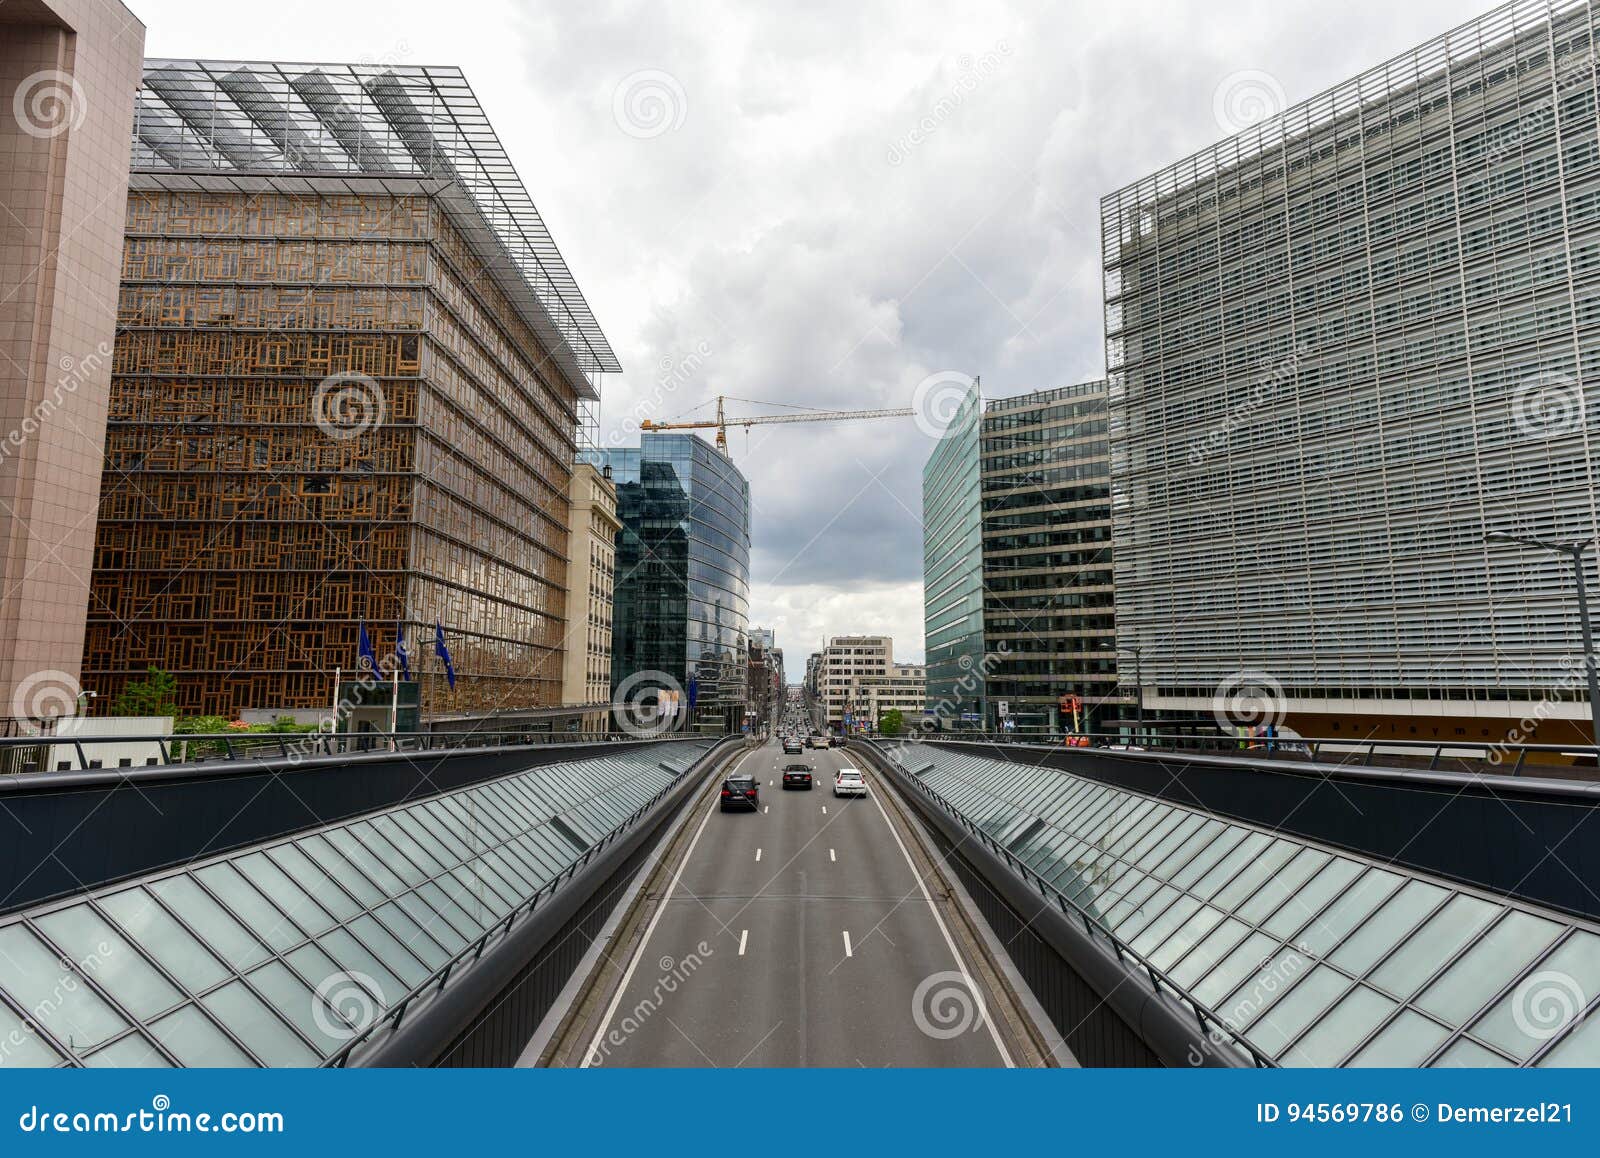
{"type": "Point", "coordinates": [1345, 347]}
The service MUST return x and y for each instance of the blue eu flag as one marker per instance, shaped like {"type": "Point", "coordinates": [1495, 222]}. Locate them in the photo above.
{"type": "Point", "coordinates": [444, 653]}
{"type": "Point", "coordinates": [367, 658]}
{"type": "Point", "coordinates": [400, 651]}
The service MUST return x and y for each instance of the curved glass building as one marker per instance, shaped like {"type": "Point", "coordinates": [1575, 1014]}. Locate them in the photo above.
{"type": "Point", "coordinates": [683, 573]}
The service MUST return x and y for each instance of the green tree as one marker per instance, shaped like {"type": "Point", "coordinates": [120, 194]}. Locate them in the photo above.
{"type": "Point", "coordinates": [891, 723]}
{"type": "Point", "coordinates": [155, 695]}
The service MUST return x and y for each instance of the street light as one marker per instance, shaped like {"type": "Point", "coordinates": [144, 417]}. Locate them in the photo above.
{"type": "Point", "coordinates": [1574, 550]}
{"type": "Point", "coordinates": [1138, 679]}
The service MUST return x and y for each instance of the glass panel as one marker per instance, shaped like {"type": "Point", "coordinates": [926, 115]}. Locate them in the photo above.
{"type": "Point", "coordinates": [1158, 930]}
{"type": "Point", "coordinates": [1192, 844]}
{"type": "Point", "coordinates": [20, 1047]}
{"type": "Point", "coordinates": [359, 855]}
{"type": "Point", "coordinates": [1487, 967]}
{"type": "Point", "coordinates": [1312, 994]}
{"type": "Point", "coordinates": [1208, 952]}
{"type": "Point", "coordinates": [441, 847]}
{"type": "Point", "coordinates": [1341, 1030]}
{"type": "Point", "coordinates": [88, 938]}
{"type": "Point", "coordinates": [1261, 992]}
{"type": "Point", "coordinates": [1404, 1042]}
{"type": "Point", "coordinates": [1581, 1047]}
{"type": "Point", "coordinates": [1362, 898]}
{"type": "Point", "coordinates": [245, 900]}
{"type": "Point", "coordinates": [1305, 903]}
{"type": "Point", "coordinates": [1243, 853]}
{"type": "Point", "coordinates": [290, 996]}
{"type": "Point", "coordinates": [355, 958]}
{"type": "Point", "coordinates": [284, 893]}
{"type": "Point", "coordinates": [1545, 1002]}
{"type": "Point", "coordinates": [61, 1002]}
{"type": "Point", "coordinates": [1209, 856]}
{"type": "Point", "coordinates": [1466, 1054]}
{"type": "Point", "coordinates": [1383, 930]}
{"type": "Point", "coordinates": [211, 921]}
{"type": "Point", "coordinates": [1249, 878]}
{"type": "Point", "coordinates": [401, 841]}
{"type": "Point", "coordinates": [253, 1022]}
{"type": "Point", "coordinates": [1235, 967]}
{"type": "Point", "coordinates": [1282, 885]}
{"type": "Point", "coordinates": [129, 1053]}
{"type": "Point", "coordinates": [1186, 937]}
{"type": "Point", "coordinates": [318, 884]}
{"type": "Point", "coordinates": [440, 902]}
{"type": "Point", "coordinates": [1432, 945]}
{"type": "Point", "coordinates": [166, 940]}
{"type": "Point", "coordinates": [389, 950]}
{"type": "Point", "coordinates": [376, 846]}
{"type": "Point", "coordinates": [410, 934]}
{"type": "Point", "coordinates": [190, 1036]}
{"type": "Point", "coordinates": [341, 870]}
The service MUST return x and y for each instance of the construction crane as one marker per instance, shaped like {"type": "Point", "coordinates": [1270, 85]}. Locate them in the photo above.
{"type": "Point", "coordinates": [722, 421]}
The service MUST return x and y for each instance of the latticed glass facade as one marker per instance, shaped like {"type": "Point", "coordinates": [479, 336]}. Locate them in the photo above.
{"type": "Point", "coordinates": [1313, 956]}
{"type": "Point", "coordinates": [333, 407]}
{"type": "Point", "coordinates": [1047, 583]}
{"type": "Point", "coordinates": [682, 593]}
{"type": "Point", "coordinates": [952, 567]}
{"type": "Point", "coordinates": [279, 954]}
{"type": "Point", "coordinates": [1342, 347]}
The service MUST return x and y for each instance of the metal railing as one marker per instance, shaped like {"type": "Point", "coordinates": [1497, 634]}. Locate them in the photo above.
{"type": "Point", "coordinates": [440, 977]}
{"type": "Point", "coordinates": [1212, 1027]}
{"type": "Point", "coordinates": [53, 753]}
{"type": "Point", "coordinates": [1430, 755]}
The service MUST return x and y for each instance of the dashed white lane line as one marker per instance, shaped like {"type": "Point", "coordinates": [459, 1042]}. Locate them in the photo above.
{"type": "Point", "coordinates": [848, 952]}
{"type": "Point", "coordinates": [824, 810]}
{"type": "Point", "coordinates": [833, 856]}
{"type": "Point", "coordinates": [758, 854]}
{"type": "Point", "coordinates": [744, 935]}
{"type": "Point", "coordinates": [766, 808]}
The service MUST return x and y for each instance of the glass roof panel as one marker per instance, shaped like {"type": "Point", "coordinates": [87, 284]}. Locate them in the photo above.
{"type": "Point", "coordinates": [165, 939]}
{"type": "Point", "coordinates": [89, 939]}
{"type": "Point", "coordinates": [1341, 1029]}
{"type": "Point", "coordinates": [1484, 969]}
{"type": "Point", "coordinates": [1550, 998]}
{"type": "Point", "coordinates": [1405, 1041]}
{"type": "Point", "coordinates": [191, 1037]}
{"type": "Point", "coordinates": [59, 998]}
{"type": "Point", "coordinates": [262, 1030]}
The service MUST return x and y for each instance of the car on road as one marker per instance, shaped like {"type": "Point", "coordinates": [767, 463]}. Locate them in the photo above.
{"type": "Point", "coordinates": [836, 741]}
{"type": "Point", "coordinates": [816, 741]}
{"type": "Point", "coordinates": [741, 792]}
{"type": "Point", "coordinates": [798, 776]}
{"type": "Point", "coordinates": [849, 782]}
{"type": "Point", "coordinates": [792, 746]}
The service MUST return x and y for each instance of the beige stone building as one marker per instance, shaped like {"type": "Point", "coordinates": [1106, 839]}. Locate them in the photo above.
{"type": "Point", "coordinates": [592, 528]}
{"type": "Point", "coordinates": [69, 70]}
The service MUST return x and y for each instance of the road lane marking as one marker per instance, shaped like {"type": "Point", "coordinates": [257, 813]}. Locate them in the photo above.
{"type": "Point", "coordinates": [848, 952]}
{"type": "Point", "coordinates": [744, 935]}
{"type": "Point", "coordinates": [611, 1010]}
{"type": "Point", "coordinates": [966, 975]}
{"type": "Point", "coordinates": [833, 856]}
{"type": "Point", "coordinates": [766, 808]}
{"type": "Point", "coordinates": [824, 810]}
{"type": "Point", "coordinates": [758, 854]}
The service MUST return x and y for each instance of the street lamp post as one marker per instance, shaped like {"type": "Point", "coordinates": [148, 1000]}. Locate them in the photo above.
{"type": "Point", "coordinates": [1574, 550]}
{"type": "Point", "coordinates": [1138, 679]}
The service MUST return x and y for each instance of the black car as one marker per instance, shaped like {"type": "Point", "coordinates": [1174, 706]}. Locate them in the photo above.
{"type": "Point", "coordinates": [740, 792]}
{"type": "Point", "coordinates": [798, 776]}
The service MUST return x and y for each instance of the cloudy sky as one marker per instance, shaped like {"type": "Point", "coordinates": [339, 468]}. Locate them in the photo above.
{"type": "Point", "coordinates": [822, 205]}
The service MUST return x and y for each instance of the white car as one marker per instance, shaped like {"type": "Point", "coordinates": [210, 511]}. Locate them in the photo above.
{"type": "Point", "coordinates": [849, 782]}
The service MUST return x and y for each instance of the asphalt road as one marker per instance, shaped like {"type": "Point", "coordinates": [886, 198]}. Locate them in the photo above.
{"type": "Point", "coordinates": [798, 935]}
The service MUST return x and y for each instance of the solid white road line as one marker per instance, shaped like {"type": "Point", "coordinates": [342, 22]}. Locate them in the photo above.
{"type": "Point", "coordinates": [848, 952]}
{"type": "Point", "coordinates": [966, 976]}
{"type": "Point", "coordinates": [616, 1000]}
{"type": "Point", "coordinates": [744, 935]}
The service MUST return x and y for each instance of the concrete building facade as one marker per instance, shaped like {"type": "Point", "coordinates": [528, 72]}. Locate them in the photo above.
{"type": "Point", "coordinates": [592, 527]}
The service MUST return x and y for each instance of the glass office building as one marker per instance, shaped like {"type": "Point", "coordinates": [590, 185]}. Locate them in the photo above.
{"type": "Point", "coordinates": [1342, 347]}
{"type": "Point", "coordinates": [1047, 581]}
{"type": "Point", "coordinates": [683, 573]}
{"type": "Point", "coordinates": [952, 569]}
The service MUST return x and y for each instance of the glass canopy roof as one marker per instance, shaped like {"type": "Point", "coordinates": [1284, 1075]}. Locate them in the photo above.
{"type": "Point", "coordinates": [277, 954]}
{"type": "Point", "coordinates": [1316, 957]}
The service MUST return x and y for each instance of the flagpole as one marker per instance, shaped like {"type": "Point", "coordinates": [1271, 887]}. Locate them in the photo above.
{"type": "Point", "coordinates": [333, 723]}
{"type": "Point", "coordinates": [394, 712]}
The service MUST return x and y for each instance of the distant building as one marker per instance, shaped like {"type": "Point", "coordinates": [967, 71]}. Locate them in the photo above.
{"type": "Point", "coordinates": [857, 680]}
{"type": "Point", "coordinates": [1343, 346]}
{"type": "Point", "coordinates": [592, 527]}
{"type": "Point", "coordinates": [952, 569]}
{"type": "Point", "coordinates": [69, 72]}
{"type": "Point", "coordinates": [349, 368]}
{"type": "Point", "coordinates": [683, 575]}
{"type": "Point", "coordinates": [1049, 617]}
